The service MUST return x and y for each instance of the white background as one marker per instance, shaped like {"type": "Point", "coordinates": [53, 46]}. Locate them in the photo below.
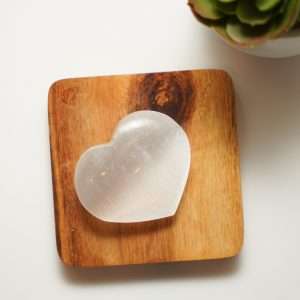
{"type": "Point", "coordinates": [42, 41]}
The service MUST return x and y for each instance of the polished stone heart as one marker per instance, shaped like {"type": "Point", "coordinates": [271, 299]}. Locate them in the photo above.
{"type": "Point", "coordinates": [140, 175]}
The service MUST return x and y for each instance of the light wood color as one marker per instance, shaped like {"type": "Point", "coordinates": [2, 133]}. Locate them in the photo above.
{"type": "Point", "coordinates": [209, 223]}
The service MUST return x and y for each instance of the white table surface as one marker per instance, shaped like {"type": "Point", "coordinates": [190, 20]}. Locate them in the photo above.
{"type": "Point", "coordinates": [42, 41]}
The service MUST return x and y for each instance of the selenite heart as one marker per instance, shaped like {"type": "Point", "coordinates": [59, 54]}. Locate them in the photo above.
{"type": "Point", "coordinates": [140, 175]}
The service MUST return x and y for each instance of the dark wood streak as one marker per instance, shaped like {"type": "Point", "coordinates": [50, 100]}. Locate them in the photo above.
{"type": "Point", "coordinates": [171, 93]}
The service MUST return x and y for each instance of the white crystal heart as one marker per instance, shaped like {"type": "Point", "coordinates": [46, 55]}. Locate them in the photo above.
{"type": "Point", "coordinates": [140, 175]}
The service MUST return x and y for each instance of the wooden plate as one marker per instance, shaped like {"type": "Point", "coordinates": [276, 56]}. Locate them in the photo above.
{"type": "Point", "coordinates": [209, 223]}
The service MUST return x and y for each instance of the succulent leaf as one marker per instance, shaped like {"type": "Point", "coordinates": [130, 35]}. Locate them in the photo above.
{"type": "Point", "coordinates": [227, 1]}
{"type": "Point", "coordinates": [227, 8]}
{"type": "Point", "coordinates": [248, 13]}
{"type": "Point", "coordinates": [287, 20]}
{"type": "Point", "coordinates": [207, 9]}
{"type": "Point", "coordinates": [248, 22]}
{"type": "Point", "coordinates": [244, 34]}
{"type": "Point", "coordinates": [265, 5]}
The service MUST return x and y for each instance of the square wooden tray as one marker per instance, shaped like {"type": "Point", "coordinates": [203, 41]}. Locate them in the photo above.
{"type": "Point", "coordinates": [209, 223]}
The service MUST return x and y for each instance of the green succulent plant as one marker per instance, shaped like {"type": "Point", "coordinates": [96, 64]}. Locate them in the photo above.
{"type": "Point", "coordinates": [248, 23]}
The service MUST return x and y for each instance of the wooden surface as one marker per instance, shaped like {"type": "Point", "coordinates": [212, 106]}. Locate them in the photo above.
{"type": "Point", "coordinates": [208, 224]}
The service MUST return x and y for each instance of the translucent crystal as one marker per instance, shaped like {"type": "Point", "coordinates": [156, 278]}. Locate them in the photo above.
{"type": "Point", "coordinates": [140, 175]}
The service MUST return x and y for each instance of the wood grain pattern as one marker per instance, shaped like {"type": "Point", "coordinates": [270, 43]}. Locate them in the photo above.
{"type": "Point", "coordinates": [208, 224]}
